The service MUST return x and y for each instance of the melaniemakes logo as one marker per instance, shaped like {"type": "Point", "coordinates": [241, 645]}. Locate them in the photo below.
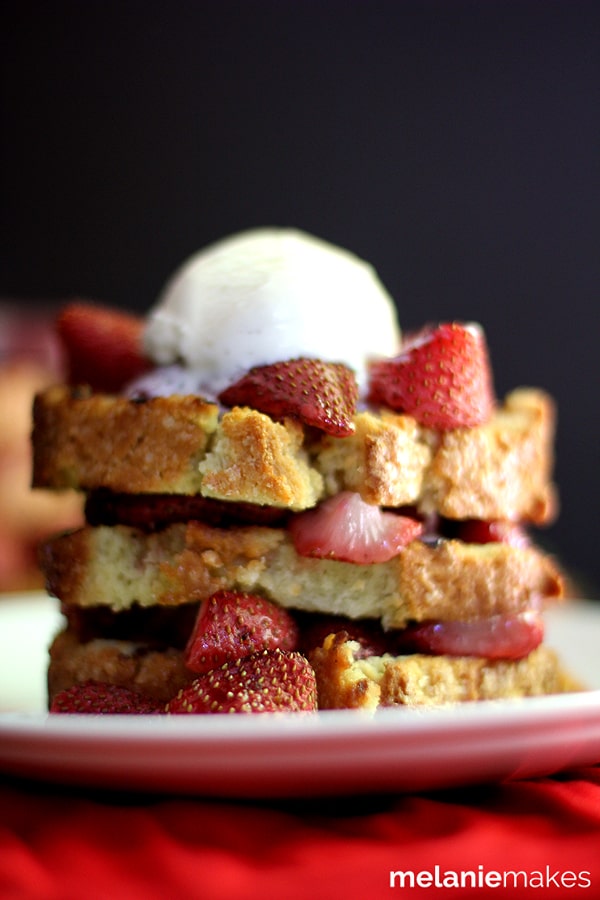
{"type": "Point", "coordinates": [405, 879]}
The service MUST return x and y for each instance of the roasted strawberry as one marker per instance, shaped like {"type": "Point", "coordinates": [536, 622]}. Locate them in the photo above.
{"type": "Point", "coordinates": [477, 531]}
{"type": "Point", "coordinates": [499, 637]}
{"type": "Point", "coordinates": [442, 378]}
{"type": "Point", "coordinates": [103, 347]}
{"type": "Point", "coordinates": [99, 698]}
{"type": "Point", "coordinates": [271, 681]}
{"type": "Point", "coordinates": [232, 624]}
{"type": "Point", "coordinates": [317, 393]}
{"type": "Point", "coordinates": [346, 528]}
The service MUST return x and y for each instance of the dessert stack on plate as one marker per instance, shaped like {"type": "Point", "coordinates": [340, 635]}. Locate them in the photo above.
{"type": "Point", "coordinates": [272, 472]}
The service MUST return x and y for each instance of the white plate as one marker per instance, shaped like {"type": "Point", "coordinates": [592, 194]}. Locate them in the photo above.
{"type": "Point", "coordinates": [293, 755]}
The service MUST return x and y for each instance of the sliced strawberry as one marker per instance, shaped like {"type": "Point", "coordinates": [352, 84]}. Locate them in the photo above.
{"type": "Point", "coordinates": [346, 528]}
{"type": "Point", "coordinates": [477, 531]}
{"type": "Point", "coordinates": [499, 637]}
{"type": "Point", "coordinates": [103, 347]}
{"type": "Point", "coordinates": [98, 698]}
{"type": "Point", "coordinates": [319, 394]}
{"type": "Point", "coordinates": [442, 378]}
{"type": "Point", "coordinates": [232, 625]}
{"type": "Point", "coordinates": [271, 681]}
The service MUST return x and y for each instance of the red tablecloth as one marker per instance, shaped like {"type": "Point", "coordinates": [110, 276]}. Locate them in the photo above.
{"type": "Point", "coordinates": [65, 843]}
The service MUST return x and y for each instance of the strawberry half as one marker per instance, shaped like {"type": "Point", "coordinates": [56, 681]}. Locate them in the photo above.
{"type": "Point", "coordinates": [271, 681]}
{"type": "Point", "coordinates": [103, 347]}
{"type": "Point", "coordinates": [231, 625]}
{"type": "Point", "coordinates": [346, 528]}
{"type": "Point", "coordinates": [442, 378]}
{"type": "Point", "coordinates": [499, 637]}
{"type": "Point", "coordinates": [98, 698]}
{"type": "Point", "coordinates": [319, 394]}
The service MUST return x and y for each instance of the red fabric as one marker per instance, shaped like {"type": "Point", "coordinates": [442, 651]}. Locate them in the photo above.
{"type": "Point", "coordinates": [64, 844]}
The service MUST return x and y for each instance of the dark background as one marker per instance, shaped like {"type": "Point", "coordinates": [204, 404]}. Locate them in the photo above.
{"type": "Point", "coordinates": [453, 144]}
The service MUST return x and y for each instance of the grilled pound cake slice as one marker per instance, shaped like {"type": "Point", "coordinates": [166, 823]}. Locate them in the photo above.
{"type": "Point", "coordinates": [499, 470]}
{"type": "Point", "coordinates": [150, 669]}
{"type": "Point", "coordinates": [343, 680]}
{"type": "Point", "coordinates": [120, 567]}
{"type": "Point", "coordinates": [180, 444]}
{"type": "Point", "coordinates": [83, 440]}
{"type": "Point", "coordinates": [347, 681]}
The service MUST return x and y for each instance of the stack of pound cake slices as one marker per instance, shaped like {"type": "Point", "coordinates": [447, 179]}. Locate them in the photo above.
{"type": "Point", "coordinates": [185, 499]}
{"type": "Point", "coordinates": [267, 439]}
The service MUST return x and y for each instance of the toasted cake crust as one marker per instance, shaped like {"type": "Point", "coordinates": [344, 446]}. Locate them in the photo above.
{"type": "Point", "coordinates": [83, 440]}
{"type": "Point", "coordinates": [176, 445]}
{"type": "Point", "coordinates": [156, 673]}
{"type": "Point", "coordinates": [343, 682]}
{"type": "Point", "coordinates": [385, 460]}
{"type": "Point", "coordinates": [505, 464]}
{"type": "Point", "coordinates": [120, 566]}
{"type": "Point", "coordinates": [500, 470]}
{"type": "Point", "coordinates": [255, 460]}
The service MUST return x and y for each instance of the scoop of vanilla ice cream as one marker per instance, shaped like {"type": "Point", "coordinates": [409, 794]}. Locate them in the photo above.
{"type": "Point", "coordinates": [268, 295]}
